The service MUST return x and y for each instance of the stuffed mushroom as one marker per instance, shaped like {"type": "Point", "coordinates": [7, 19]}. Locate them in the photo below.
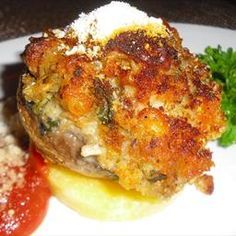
{"type": "Point", "coordinates": [133, 106]}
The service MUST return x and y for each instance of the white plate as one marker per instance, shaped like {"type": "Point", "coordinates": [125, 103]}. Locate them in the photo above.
{"type": "Point", "coordinates": [191, 212]}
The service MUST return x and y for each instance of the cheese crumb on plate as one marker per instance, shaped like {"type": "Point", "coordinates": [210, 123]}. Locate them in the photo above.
{"type": "Point", "coordinates": [12, 157]}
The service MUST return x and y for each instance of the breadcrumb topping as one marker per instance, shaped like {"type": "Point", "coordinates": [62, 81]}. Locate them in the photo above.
{"type": "Point", "coordinates": [153, 101]}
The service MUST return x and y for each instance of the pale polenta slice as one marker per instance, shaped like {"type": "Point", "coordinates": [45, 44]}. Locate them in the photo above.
{"type": "Point", "coordinates": [99, 199]}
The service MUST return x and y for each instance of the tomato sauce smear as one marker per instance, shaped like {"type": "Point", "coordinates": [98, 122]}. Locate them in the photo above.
{"type": "Point", "coordinates": [27, 205]}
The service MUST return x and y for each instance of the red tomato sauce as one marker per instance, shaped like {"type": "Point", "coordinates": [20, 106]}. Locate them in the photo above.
{"type": "Point", "coordinates": [27, 205]}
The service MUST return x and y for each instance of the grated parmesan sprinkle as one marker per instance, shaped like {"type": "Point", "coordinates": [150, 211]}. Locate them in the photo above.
{"type": "Point", "coordinates": [12, 156]}
{"type": "Point", "coordinates": [97, 27]}
{"type": "Point", "coordinates": [102, 22]}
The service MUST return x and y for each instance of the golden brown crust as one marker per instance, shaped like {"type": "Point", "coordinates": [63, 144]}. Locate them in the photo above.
{"type": "Point", "coordinates": [205, 184]}
{"type": "Point", "coordinates": [151, 105]}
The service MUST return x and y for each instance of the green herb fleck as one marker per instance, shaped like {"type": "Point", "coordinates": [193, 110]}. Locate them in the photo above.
{"type": "Point", "coordinates": [105, 112]}
{"type": "Point", "coordinates": [48, 126]}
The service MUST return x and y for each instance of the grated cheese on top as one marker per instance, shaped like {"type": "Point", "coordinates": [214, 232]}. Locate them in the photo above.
{"type": "Point", "coordinates": [103, 21]}
{"type": "Point", "coordinates": [12, 157]}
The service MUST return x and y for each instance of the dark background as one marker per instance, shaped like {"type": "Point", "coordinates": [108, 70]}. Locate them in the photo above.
{"type": "Point", "coordinates": [21, 17]}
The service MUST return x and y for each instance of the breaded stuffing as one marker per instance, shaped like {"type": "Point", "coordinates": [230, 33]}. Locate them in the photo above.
{"type": "Point", "coordinates": [153, 102]}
